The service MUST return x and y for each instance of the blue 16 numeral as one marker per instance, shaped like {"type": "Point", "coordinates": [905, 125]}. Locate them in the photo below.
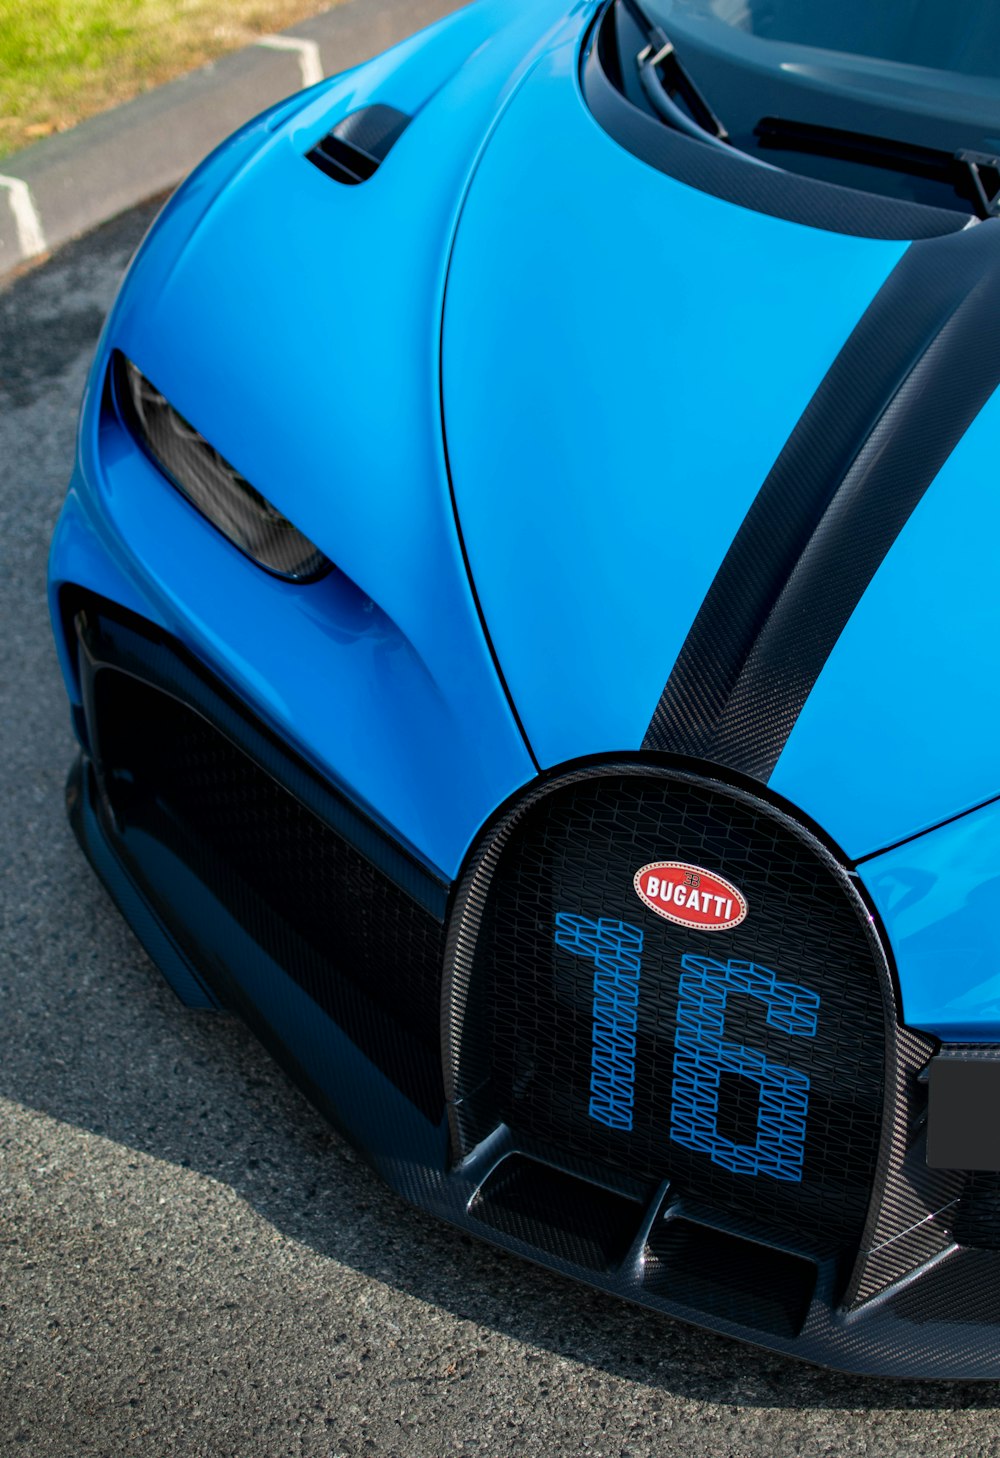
{"type": "Point", "coordinates": [615, 948]}
{"type": "Point", "coordinates": [701, 1052]}
{"type": "Point", "coordinates": [701, 1056]}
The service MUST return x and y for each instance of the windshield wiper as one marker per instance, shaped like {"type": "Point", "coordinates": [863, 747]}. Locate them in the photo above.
{"type": "Point", "coordinates": [974, 176]}
{"type": "Point", "coordinates": [664, 78]}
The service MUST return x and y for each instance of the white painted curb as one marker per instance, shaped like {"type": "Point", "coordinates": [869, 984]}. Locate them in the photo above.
{"type": "Point", "coordinates": [30, 234]}
{"type": "Point", "coordinates": [310, 61]}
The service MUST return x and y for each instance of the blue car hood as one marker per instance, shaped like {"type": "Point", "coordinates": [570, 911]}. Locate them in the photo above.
{"type": "Point", "coordinates": [624, 358]}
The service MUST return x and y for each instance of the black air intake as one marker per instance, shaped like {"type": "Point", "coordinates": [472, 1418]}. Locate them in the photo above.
{"type": "Point", "coordinates": [356, 148]}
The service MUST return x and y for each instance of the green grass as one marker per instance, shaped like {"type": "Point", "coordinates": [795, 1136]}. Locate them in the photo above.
{"type": "Point", "coordinates": [63, 60]}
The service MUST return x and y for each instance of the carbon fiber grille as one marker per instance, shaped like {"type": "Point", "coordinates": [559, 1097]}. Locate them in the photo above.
{"type": "Point", "coordinates": [358, 945]}
{"type": "Point", "coordinates": [523, 1042]}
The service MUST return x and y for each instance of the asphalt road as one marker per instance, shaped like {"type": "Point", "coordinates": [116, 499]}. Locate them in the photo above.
{"type": "Point", "coordinates": [190, 1261]}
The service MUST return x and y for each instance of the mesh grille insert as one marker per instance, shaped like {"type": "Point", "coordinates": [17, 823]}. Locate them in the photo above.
{"type": "Point", "coordinates": [365, 952]}
{"type": "Point", "coordinates": [524, 1039]}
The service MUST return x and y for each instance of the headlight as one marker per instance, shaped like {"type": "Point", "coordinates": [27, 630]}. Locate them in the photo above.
{"type": "Point", "coordinates": [210, 483]}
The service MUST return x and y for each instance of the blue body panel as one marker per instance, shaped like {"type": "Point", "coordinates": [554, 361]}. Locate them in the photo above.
{"type": "Point", "coordinates": [622, 365]}
{"type": "Point", "coordinates": [312, 363]}
{"type": "Point", "coordinates": [939, 897]}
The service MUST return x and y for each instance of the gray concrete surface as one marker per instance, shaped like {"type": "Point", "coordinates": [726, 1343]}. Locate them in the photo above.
{"type": "Point", "coordinates": [114, 161]}
{"type": "Point", "coordinates": [190, 1261]}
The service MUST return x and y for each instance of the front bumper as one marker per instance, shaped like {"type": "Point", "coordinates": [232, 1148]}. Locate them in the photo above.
{"type": "Point", "coordinates": [256, 886]}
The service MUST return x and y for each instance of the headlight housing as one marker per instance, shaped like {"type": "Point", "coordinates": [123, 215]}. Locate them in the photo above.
{"type": "Point", "coordinates": [210, 483]}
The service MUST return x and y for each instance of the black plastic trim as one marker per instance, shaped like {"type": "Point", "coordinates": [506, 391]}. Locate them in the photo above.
{"type": "Point", "coordinates": [356, 148]}
{"type": "Point", "coordinates": [546, 1206]}
{"type": "Point", "coordinates": [117, 393]}
{"type": "Point", "coordinates": [147, 920]}
{"type": "Point", "coordinates": [210, 910]}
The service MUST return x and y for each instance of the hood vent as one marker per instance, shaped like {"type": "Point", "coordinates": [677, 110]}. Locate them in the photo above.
{"type": "Point", "coordinates": [356, 148]}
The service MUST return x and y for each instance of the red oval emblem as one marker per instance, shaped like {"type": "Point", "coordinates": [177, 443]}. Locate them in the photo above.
{"type": "Point", "coordinates": [690, 896]}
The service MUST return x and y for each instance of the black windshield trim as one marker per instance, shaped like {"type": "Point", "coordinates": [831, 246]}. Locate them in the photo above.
{"type": "Point", "coordinates": [726, 174]}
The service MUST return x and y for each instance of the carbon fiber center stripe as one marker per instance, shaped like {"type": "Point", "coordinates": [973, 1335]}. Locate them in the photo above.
{"type": "Point", "coordinates": [915, 373]}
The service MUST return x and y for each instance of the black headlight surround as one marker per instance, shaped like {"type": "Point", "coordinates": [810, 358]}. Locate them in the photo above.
{"type": "Point", "coordinates": [220, 493]}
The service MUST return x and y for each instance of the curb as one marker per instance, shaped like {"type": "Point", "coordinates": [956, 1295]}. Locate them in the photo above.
{"type": "Point", "coordinates": [68, 184]}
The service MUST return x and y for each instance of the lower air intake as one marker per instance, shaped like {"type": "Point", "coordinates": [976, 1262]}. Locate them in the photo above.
{"type": "Point", "coordinates": [229, 836]}
{"type": "Point", "coordinates": [745, 1066]}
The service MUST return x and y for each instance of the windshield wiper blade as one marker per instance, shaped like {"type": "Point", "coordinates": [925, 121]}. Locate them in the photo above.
{"type": "Point", "coordinates": [984, 170]}
{"type": "Point", "coordinates": [663, 78]}
{"type": "Point", "coordinates": [974, 176]}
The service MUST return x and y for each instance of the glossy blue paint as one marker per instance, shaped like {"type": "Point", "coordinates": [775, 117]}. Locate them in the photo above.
{"type": "Point", "coordinates": [624, 359]}
{"type": "Point", "coordinates": [939, 896]}
{"type": "Point", "coordinates": [900, 731]}
{"type": "Point", "coordinates": [281, 318]}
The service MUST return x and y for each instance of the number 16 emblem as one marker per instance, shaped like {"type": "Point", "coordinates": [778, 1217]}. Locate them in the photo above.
{"type": "Point", "coordinates": [701, 1052]}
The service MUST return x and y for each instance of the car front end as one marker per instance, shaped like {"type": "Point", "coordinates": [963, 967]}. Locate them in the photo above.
{"type": "Point", "coordinates": [524, 596]}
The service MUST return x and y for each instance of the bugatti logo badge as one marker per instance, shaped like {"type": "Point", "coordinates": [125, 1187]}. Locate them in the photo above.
{"type": "Point", "coordinates": [690, 896]}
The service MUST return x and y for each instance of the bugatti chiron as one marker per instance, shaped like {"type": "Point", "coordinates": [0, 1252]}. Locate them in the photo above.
{"type": "Point", "coordinates": [526, 596]}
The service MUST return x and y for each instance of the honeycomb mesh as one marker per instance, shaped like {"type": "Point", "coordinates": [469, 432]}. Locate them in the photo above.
{"type": "Point", "coordinates": [320, 908]}
{"type": "Point", "coordinates": [525, 1044]}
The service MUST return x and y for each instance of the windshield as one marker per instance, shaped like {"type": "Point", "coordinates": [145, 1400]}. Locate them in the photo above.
{"type": "Point", "coordinates": [962, 36]}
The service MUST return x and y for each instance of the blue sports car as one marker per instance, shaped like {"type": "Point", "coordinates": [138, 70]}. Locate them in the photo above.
{"type": "Point", "coordinates": [525, 597]}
